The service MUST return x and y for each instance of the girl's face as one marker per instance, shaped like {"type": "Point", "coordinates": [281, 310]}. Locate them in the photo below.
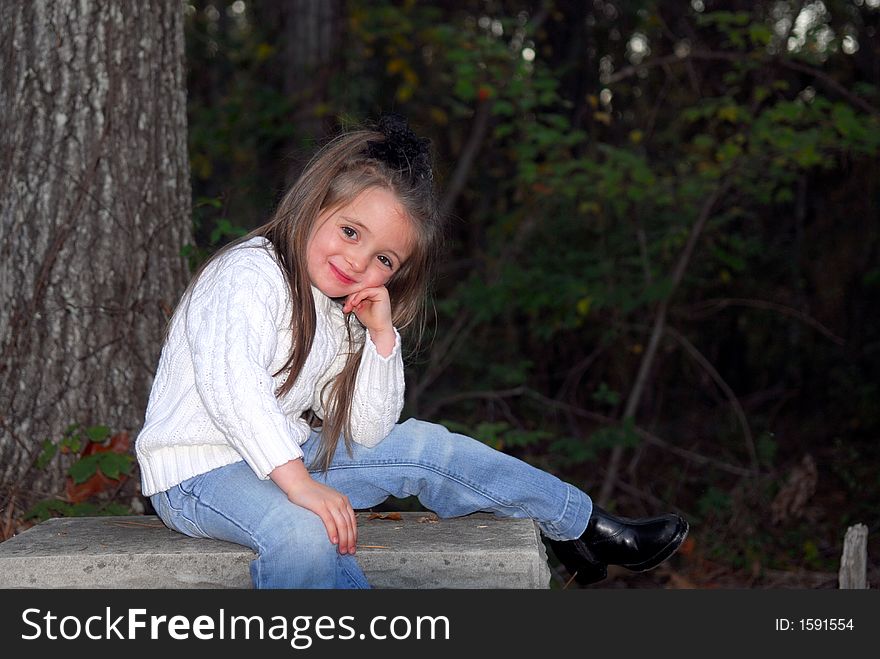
{"type": "Point", "coordinates": [359, 245]}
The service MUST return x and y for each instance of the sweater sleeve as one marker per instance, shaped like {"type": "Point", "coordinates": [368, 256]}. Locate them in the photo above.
{"type": "Point", "coordinates": [232, 320]}
{"type": "Point", "coordinates": [379, 391]}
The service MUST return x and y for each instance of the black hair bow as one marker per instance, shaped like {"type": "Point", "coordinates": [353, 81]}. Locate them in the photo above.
{"type": "Point", "coordinates": [402, 149]}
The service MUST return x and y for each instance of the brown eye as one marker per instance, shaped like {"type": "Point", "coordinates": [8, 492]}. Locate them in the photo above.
{"type": "Point", "coordinates": [349, 232]}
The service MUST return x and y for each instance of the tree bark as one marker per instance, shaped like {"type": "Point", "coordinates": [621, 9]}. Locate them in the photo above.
{"type": "Point", "coordinates": [312, 38]}
{"type": "Point", "coordinates": [94, 211]}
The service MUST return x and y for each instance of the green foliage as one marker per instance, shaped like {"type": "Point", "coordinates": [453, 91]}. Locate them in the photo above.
{"type": "Point", "coordinates": [617, 435]}
{"type": "Point", "coordinates": [714, 502]}
{"type": "Point", "coordinates": [74, 440]}
{"type": "Point", "coordinates": [222, 231]}
{"type": "Point", "coordinates": [112, 465]}
{"type": "Point", "coordinates": [606, 396]}
{"type": "Point", "coordinates": [500, 435]}
{"type": "Point", "coordinates": [47, 508]}
{"type": "Point", "coordinates": [574, 450]}
{"type": "Point", "coordinates": [85, 465]}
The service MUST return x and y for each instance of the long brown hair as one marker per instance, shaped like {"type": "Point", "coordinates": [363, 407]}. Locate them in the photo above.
{"type": "Point", "coordinates": [338, 173]}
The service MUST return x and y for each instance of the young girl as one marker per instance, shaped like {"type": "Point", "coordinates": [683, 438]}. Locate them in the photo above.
{"type": "Point", "coordinates": [287, 341]}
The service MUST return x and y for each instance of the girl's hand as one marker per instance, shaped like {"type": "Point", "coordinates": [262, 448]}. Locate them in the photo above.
{"type": "Point", "coordinates": [334, 510]}
{"type": "Point", "coordinates": [372, 306]}
{"type": "Point", "coordinates": [330, 505]}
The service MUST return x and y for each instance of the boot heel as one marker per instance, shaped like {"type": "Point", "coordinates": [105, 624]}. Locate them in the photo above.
{"type": "Point", "coordinates": [580, 562]}
{"type": "Point", "coordinates": [591, 569]}
{"type": "Point", "coordinates": [587, 574]}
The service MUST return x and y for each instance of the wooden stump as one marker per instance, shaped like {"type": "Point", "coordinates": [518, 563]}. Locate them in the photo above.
{"type": "Point", "coordinates": [854, 560]}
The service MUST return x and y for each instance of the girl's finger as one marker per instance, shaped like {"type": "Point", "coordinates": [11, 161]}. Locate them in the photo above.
{"type": "Point", "coordinates": [353, 301]}
{"type": "Point", "coordinates": [354, 528]}
{"type": "Point", "coordinates": [348, 516]}
{"type": "Point", "coordinates": [344, 531]}
{"type": "Point", "coordinates": [330, 525]}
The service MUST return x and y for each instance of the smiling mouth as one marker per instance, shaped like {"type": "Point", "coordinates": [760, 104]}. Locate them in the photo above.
{"type": "Point", "coordinates": [340, 275]}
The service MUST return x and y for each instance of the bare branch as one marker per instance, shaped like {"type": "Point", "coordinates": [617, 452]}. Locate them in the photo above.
{"type": "Point", "coordinates": [471, 395]}
{"type": "Point", "coordinates": [830, 82]}
{"type": "Point", "coordinates": [734, 401]}
{"type": "Point", "coordinates": [650, 438]}
{"type": "Point", "coordinates": [722, 303]}
{"type": "Point", "coordinates": [466, 160]}
{"type": "Point", "coordinates": [576, 372]}
{"type": "Point", "coordinates": [635, 395]}
{"type": "Point", "coordinates": [441, 355]}
{"type": "Point", "coordinates": [629, 71]}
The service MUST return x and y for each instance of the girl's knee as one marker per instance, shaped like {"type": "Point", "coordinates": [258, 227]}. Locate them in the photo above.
{"type": "Point", "coordinates": [416, 431]}
{"type": "Point", "coordinates": [295, 554]}
{"type": "Point", "coordinates": [435, 444]}
{"type": "Point", "coordinates": [434, 433]}
{"type": "Point", "coordinates": [299, 536]}
{"type": "Point", "coordinates": [416, 439]}
{"type": "Point", "coordinates": [420, 427]}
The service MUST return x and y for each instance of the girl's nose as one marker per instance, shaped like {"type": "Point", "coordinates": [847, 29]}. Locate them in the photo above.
{"type": "Point", "coordinates": [355, 260]}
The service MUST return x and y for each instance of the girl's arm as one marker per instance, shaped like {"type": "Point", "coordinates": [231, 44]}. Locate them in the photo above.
{"type": "Point", "coordinates": [379, 388]}
{"type": "Point", "coordinates": [232, 319]}
{"type": "Point", "coordinates": [379, 392]}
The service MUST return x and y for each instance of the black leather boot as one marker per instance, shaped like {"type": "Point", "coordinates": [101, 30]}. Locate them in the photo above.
{"type": "Point", "coordinates": [636, 544]}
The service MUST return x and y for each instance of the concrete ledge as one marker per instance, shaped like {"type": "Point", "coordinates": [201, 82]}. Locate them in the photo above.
{"type": "Point", "coordinates": [418, 551]}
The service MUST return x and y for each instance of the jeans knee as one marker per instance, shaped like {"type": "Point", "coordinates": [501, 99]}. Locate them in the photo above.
{"type": "Point", "coordinates": [298, 542]}
{"type": "Point", "coordinates": [417, 436]}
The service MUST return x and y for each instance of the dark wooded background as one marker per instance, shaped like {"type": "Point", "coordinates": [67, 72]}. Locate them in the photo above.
{"type": "Point", "coordinates": [663, 239]}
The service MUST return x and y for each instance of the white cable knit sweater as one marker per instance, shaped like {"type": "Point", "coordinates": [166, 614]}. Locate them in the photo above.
{"type": "Point", "coordinates": [213, 401]}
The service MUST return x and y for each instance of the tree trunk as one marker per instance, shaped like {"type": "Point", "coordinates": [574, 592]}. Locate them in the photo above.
{"type": "Point", "coordinates": [94, 211]}
{"type": "Point", "coordinates": [311, 38]}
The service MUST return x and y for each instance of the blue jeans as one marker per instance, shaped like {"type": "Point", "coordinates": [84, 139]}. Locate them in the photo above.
{"type": "Point", "coordinates": [451, 474]}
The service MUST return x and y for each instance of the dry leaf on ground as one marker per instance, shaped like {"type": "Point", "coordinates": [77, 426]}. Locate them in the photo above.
{"type": "Point", "coordinates": [394, 517]}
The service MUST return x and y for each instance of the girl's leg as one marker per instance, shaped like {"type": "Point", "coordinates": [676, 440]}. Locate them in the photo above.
{"type": "Point", "coordinates": [231, 503]}
{"type": "Point", "coordinates": [453, 475]}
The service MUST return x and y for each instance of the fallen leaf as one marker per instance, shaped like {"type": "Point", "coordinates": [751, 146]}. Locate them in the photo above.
{"type": "Point", "coordinates": [394, 517]}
